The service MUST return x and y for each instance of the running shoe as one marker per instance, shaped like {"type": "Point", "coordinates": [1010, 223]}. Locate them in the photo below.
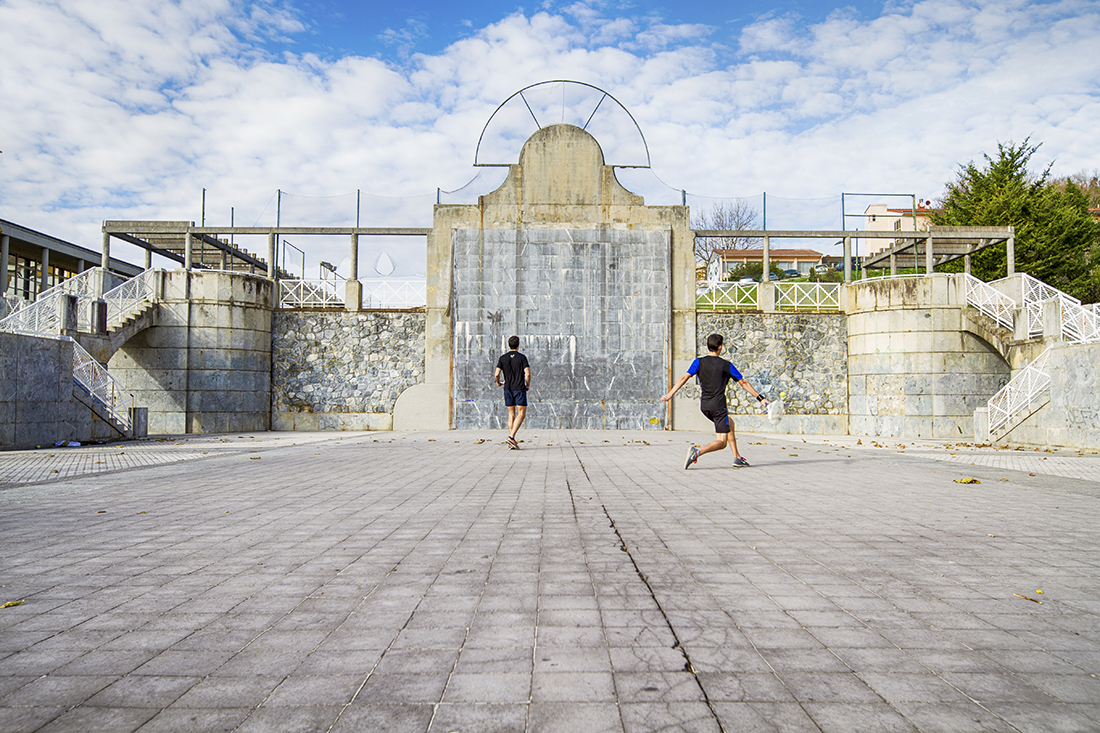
{"type": "Point", "coordinates": [740, 462]}
{"type": "Point", "coordinates": [692, 457]}
{"type": "Point", "coordinates": [512, 443]}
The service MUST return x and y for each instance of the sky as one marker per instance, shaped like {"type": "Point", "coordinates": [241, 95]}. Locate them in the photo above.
{"type": "Point", "coordinates": [129, 109]}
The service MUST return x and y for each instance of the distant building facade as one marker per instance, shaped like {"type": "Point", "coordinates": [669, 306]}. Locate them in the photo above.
{"type": "Point", "coordinates": [802, 260]}
{"type": "Point", "coordinates": [882, 218]}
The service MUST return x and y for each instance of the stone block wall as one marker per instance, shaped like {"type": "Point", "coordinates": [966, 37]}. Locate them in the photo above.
{"type": "Point", "coordinates": [37, 406]}
{"type": "Point", "coordinates": [1072, 417]}
{"type": "Point", "coordinates": [206, 366]}
{"type": "Point", "coordinates": [804, 355]}
{"type": "Point", "coordinates": [335, 370]}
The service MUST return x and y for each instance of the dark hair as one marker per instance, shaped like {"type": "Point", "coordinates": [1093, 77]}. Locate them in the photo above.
{"type": "Point", "coordinates": [513, 342]}
{"type": "Point", "coordinates": [714, 342]}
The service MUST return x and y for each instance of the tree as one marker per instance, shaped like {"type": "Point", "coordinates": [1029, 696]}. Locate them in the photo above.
{"type": "Point", "coordinates": [735, 214]}
{"type": "Point", "coordinates": [1057, 240]}
{"type": "Point", "coordinates": [755, 270]}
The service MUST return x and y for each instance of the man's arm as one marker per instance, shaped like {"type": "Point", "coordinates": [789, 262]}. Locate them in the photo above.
{"type": "Point", "coordinates": [683, 380]}
{"type": "Point", "coordinates": [749, 388]}
{"type": "Point", "coordinates": [496, 377]}
{"type": "Point", "coordinates": [527, 377]}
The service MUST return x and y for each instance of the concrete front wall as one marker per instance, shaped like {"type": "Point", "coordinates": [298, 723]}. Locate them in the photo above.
{"type": "Point", "coordinates": [913, 371]}
{"type": "Point", "coordinates": [336, 370]}
{"type": "Point", "coordinates": [1072, 417]}
{"type": "Point", "coordinates": [804, 355]}
{"type": "Point", "coordinates": [560, 183]}
{"type": "Point", "coordinates": [591, 307]}
{"type": "Point", "coordinates": [206, 367]}
{"type": "Point", "coordinates": [37, 406]}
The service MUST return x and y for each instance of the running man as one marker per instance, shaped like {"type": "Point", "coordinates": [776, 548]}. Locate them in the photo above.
{"type": "Point", "coordinates": [714, 372]}
{"type": "Point", "coordinates": [517, 380]}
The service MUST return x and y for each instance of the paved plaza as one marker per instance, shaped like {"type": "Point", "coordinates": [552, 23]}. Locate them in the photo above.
{"type": "Point", "coordinates": [440, 582]}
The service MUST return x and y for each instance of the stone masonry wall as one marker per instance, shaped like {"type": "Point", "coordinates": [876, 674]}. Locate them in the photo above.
{"type": "Point", "coordinates": [340, 370]}
{"type": "Point", "coordinates": [802, 354]}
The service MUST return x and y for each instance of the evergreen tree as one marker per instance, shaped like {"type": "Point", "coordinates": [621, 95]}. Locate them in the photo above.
{"type": "Point", "coordinates": [1057, 239]}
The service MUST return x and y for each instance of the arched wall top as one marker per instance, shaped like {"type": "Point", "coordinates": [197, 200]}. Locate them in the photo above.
{"type": "Point", "coordinates": [562, 100]}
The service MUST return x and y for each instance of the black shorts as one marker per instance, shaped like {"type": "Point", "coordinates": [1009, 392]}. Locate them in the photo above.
{"type": "Point", "coordinates": [514, 397]}
{"type": "Point", "coordinates": [720, 418]}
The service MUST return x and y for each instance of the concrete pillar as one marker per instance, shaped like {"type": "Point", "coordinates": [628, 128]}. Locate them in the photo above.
{"type": "Point", "coordinates": [981, 425]}
{"type": "Point", "coordinates": [5, 245]}
{"type": "Point", "coordinates": [44, 275]}
{"type": "Point", "coordinates": [1020, 331]}
{"type": "Point", "coordinates": [225, 259]}
{"type": "Point", "coordinates": [69, 315]}
{"type": "Point", "coordinates": [1010, 254]}
{"type": "Point", "coordinates": [105, 261]}
{"type": "Point", "coordinates": [966, 263]}
{"type": "Point", "coordinates": [148, 259]}
{"type": "Point", "coordinates": [81, 266]}
{"type": "Point", "coordinates": [929, 262]}
{"type": "Point", "coordinates": [1052, 320]}
{"type": "Point", "coordinates": [187, 247]}
{"type": "Point", "coordinates": [353, 289]}
{"type": "Point", "coordinates": [765, 297]}
{"type": "Point", "coordinates": [271, 256]}
{"type": "Point", "coordinates": [766, 275]}
{"type": "Point", "coordinates": [893, 264]}
{"type": "Point", "coordinates": [139, 422]}
{"type": "Point", "coordinates": [847, 259]}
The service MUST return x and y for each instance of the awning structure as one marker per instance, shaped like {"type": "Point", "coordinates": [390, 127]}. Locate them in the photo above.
{"type": "Point", "coordinates": [938, 246]}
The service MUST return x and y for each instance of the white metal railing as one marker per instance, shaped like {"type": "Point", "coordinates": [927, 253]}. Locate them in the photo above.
{"type": "Point", "coordinates": [394, 294]}
{"type": "Point", "coordinates": [14, 303]}
{"type": "Point", "coordinates": [1035, 293]}
{"type": "Point", "coordinates": [38, 318]}
{"type": "Point", "coordinates": [990, 301]}
{"type": "Point", "coordinates": [102, 387]}
{"type": "Point", "coordinates": [138, 289]}
{"type": "Point", "coordinates": [807, 296]}
{"type": "Point", "coordinates": [1020, 392]}
{"type": "Point", "coordinates": [311, 293]}
{"type": "Point", "coordinates": [719, 295]}
{"type": "Point", "coordinates": [1079, 323]}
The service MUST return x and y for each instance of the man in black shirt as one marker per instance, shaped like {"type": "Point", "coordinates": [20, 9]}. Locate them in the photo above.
{"type": "Point", "coordinates": [517, 380]}
{"type": "Point", "coordinates": [714, 372]}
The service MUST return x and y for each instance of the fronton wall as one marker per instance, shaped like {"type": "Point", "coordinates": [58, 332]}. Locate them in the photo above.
{"type": "Point", "coordinates": [335, 370]}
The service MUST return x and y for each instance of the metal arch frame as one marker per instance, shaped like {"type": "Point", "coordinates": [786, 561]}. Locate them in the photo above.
{"type": "Point", "coordinates": [606, 95]}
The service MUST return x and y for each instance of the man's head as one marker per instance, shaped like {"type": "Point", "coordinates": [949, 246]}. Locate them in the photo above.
{"type": "Point", "coordinates": [714, 343]}
{"type": "Point", "coordinates": [513, 342]}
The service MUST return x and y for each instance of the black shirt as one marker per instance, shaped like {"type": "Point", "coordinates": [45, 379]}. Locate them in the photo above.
{"type": "Point", "coordinates": [512, 365]}
{"type": "Point", "coordinates": [714, 373]}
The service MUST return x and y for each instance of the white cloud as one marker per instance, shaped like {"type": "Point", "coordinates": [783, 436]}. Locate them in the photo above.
{"type": "Point", "coordinates": [123, 109]}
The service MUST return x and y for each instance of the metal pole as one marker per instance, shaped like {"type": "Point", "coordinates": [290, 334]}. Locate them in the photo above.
{"type": "Point", "coordinates": [765, 209]}
{"type": "Point", "coordinates": [203, 219]}
{"type": "Point", "coordinates": [684, 196]}
{"type": "Point", "coordinates": [5, 245]}
{"type": "Point", "coordinates": [842, 217]}
{"type": "Point", "coordinates": [767, 260]}
{"type": "Point", "coordinates": [357, 204]}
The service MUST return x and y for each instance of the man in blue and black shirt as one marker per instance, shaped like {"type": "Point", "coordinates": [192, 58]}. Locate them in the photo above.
{"type": "Point", "coordinates": [714, 373]}
{"type": "Point", "coordinates": [516, 373]}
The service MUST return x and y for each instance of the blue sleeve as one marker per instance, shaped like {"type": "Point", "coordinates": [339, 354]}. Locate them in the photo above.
{"type": "Point", "coordinates": [734, 373]}
{"type": "Point", "coordinates": [694, 368]}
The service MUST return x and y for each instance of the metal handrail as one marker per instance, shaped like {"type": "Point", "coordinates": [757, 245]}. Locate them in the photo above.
{"type": "Point", "coordinates": [1020, 392]}
{"type": "Point", "coordinates": [1079, 324]}
{"type": "Point", "coordinates": [1035, 293]}
{"type": "Point", "coordinates": [808, 296]}
{"type": "Point", "coordinates": [41, 317]}
{"type": "Point", "coordinates": [990, 301]}
{"type": "Point", "coordinates": [395, 294]}
{"type": "Point", "coordinates": [138, 289]}
{"type": "Point", "coordinates": [718, 295]}
{"type": "Point", "coordinates": [311, 294]}
{"type": "Point", "coordinates": [94, 378]}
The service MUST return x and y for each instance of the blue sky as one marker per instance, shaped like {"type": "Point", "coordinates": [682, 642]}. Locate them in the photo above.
{"type": "Point", "coordinates": [128, 109]}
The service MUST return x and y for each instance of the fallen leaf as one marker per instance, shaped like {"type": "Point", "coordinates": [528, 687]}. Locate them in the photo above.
{"type": "Point", "coordinates": [253, 458]}
{"type": "Point", "coordinates": [967, 481]}
{"type": "Point", "coordinates": [1026, 598]}
{"type": "Point", "coordinates": [654, 421]}
{"type": "Point", "coordinates": [13, 604]}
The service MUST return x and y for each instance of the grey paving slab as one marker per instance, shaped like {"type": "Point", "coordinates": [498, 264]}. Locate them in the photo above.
{"type": "Point", "coordinates": [587, 582]}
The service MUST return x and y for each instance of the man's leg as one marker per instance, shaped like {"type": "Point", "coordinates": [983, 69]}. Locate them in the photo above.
{"type": "Point", "coordinates": [718, 444]}
{"type": "Point", "coordinates": [514, 426]}
{"type": "Point", "coordinates": [733, 442]}
{"type": "Point", "coordinates": [511, 419]}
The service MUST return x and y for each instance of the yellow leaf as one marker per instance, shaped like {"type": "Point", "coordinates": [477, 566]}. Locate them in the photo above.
{"type": "Point", "coordinates": [967, 481]}
{"type": "Point", "coordinates": [13, 604]}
